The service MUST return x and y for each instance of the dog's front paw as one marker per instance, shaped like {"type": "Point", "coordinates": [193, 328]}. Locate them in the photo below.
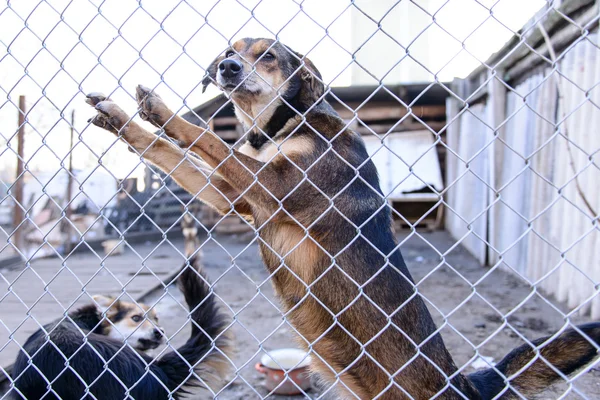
{"type": "Point", "coordinates": [152, 107]}
{"type": "Point", "coordinates": [110, 116]}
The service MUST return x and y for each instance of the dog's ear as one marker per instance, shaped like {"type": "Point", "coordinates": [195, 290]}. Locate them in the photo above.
{"type": "Point", "coordinates": [312, 83]}
{"type": "Point", "coordinates": [103, 303]}
{"type": "Point", "coordinates": [211, 73]}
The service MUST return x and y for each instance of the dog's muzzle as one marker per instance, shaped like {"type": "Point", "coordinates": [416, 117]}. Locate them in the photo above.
{"type": "Point", "coordinates": [230, 72]}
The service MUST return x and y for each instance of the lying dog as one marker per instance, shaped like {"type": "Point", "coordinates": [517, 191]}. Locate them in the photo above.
{"type": "Point", "coordinates": [99, 362]}
{"type": "Point", "coordinates": [308, 184]}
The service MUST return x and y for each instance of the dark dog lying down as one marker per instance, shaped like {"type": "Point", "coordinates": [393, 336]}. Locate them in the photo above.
{"type": "Point", "coordinates": [127, 370]}
{"type": "Point", "coordinates": [306, 181]}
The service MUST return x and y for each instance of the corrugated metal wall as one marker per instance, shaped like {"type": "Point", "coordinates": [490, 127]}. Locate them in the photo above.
{"type": "Point", "coordinates": [514, 199]}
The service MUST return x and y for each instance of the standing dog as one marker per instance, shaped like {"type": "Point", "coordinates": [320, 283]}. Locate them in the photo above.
{"type": "Point", "coordinates": [308, 183]}
{"type": "Point", "coordinates": [99, 361]}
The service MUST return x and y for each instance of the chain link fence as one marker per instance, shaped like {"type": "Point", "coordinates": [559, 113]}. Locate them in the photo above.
{"type": "Point", "coordinates": [480, 117]}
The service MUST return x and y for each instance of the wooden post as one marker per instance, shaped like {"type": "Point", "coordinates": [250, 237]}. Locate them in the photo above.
{"type": "Point", "coordinates": [18, 186]}
{"type": "Point", "coordinates": [496, 116]}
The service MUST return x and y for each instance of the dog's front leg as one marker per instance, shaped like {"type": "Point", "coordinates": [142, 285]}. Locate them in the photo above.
{"type": "Point", "coordinates": [262, 185]}
{"type": "Point", "coordinates": [190, 173]}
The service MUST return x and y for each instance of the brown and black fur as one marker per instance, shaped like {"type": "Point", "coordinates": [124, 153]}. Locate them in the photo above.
{"type": "Point", "coordinates": [306, 181]}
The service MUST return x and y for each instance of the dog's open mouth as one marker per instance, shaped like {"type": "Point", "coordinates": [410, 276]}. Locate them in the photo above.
{"type": "Point", "coordinates": [147, 344]}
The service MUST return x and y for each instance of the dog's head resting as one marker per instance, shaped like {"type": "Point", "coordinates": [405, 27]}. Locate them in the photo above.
{"type": "Point", "coordinates": [259, 74]}
{"type": "Point", "coordinates": [137, 324]}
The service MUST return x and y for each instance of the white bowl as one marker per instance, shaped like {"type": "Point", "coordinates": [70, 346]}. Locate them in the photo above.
{"type": "Point", "coordinates": [286, 371]}
{"type": "Point", "coordinates": [287, 359]}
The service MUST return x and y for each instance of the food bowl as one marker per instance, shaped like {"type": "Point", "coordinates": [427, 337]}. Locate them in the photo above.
{"type": "Point", "coordinates": [276, 363]}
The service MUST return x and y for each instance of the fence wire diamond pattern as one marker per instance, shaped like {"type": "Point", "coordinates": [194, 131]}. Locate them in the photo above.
{"type": "Point", "coordinates": [246, 235]}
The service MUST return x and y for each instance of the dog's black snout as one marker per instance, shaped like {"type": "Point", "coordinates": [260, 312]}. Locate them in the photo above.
{"type": "Point", "coordinates": [230, 68]}
{"type": "Point", "coordinates": [158, 333]}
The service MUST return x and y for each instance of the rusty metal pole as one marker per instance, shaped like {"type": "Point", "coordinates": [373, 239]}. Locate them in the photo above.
{"type": "Point", "coordinates": [18, 186]}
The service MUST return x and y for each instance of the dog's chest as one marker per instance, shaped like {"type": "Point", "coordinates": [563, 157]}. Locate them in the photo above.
{"type": "Point", "coordinates": [265, 153]}
{"type": "Point", "coordinates": [274, 150]}
{"type": "Point", "coordinates": [290, 245]}
{"type": "Point", "coordinates": [259, 154]}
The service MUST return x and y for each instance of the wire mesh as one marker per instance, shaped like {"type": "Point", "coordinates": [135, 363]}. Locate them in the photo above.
{"type": "Point", "coordinates": [490, 180]}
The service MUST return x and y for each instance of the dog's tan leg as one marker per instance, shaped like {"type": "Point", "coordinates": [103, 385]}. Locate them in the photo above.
{"type": "Point", "coordinates": [191, 174]}
{"type": "Point", "coordinates": [263, 185]}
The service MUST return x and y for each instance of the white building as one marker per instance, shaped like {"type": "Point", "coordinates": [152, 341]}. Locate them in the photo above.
{"type": "Point", "coordinates": [425, 40]}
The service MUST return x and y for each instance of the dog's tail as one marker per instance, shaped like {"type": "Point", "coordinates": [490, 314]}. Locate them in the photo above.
{"type": "Point", "coordinates": [529, 373]}
{"type": "Point", "coordinates": [203, 361]}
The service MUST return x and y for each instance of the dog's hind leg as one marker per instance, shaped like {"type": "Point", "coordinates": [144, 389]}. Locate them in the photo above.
{"type": "Point", "coordinates": [189, 172]}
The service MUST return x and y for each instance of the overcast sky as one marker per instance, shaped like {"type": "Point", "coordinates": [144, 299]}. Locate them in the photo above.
{"type": "Point", "coordinates": [56, 50]}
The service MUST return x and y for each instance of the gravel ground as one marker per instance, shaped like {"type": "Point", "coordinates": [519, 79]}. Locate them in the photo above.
{"type": "Point", "coordinates": [243, 285]}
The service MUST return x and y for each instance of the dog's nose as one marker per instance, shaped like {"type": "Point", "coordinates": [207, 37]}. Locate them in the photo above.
{"type": "Point", "coordinates": [158, 333]}
{"type": "Point", "coordinates": [230, 68]}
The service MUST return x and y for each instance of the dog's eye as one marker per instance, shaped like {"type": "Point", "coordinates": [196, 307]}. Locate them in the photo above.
{"type": "Point", "coordinates": [136, 318]}
{"type": "Point", "coordinates": [268, 56]}
{"type": "Point", "coordinates": [230, 53]}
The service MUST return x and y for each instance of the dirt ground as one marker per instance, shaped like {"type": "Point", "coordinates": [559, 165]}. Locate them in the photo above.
{"type": "Point", "coordinates": [242, 283]}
